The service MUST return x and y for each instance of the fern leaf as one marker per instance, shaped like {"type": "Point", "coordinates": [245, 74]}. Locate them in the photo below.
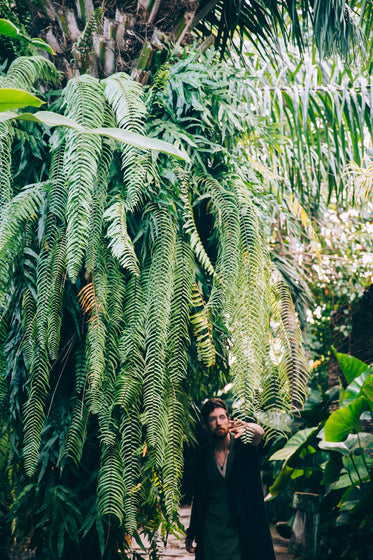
{"type": "Point", "coordinates": [77, 432]}
{"type": "Point", "coordinates": [191, 228]}
{"type": "Point", "coordinates": [6, 137]}
{"type": "Point", "coordinates": [173, 459]}
{"type": "Point", "coordinates": [110, 490]}
{"type": "Point", "coordinates": [34, 410]}
{"type": "Point", "coordinates": [178, 336]}
{"type": "Point", "coordinates": [25, 71]}
{"type": "Point", "coordinates": [126, 97]}
{"type": "Point", "coordinates": [157, 313]}
{"type": "Point", "coordinates": [84, 100]}
{"type": "Point", "coordinates": [130, 442]}
{"type": "Point", "coordinates": [202, 328]}
{"type": "Point", "coordinates": [120, 242]}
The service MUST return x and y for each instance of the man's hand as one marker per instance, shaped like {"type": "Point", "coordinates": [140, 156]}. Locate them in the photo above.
{"type": "Point", "coordinates": [189, 545]}
{"type": "Point", "coordinates": [238, 428]}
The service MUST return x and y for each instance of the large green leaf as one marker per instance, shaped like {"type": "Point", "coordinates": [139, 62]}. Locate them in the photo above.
{"type": "Point", "coordinates": [351, 367]}
{"type": "Point", "coordinates": [12, 98]}
{"type": "Point", "coordinates": [345, 420]}
{"type": "Point", "coordinates": [295, 444]}
{"type": "Point", "coordinates": [368, 387]}
{"type": "Point", "coordinates": [357, 387]}
{"type": "Point", "coordinates": [8, 29]}
{"type": "Point", "coordinates": [54, 119]}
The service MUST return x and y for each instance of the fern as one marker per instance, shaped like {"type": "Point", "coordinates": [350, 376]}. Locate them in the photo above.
{"type": "Point", "coordinates": [202, 328]}
{"type": "Point", "coordinates": [34, 410]}
{"type": "Point", "coordinates": [99, 200]}
{"type": "Point", "coordinates": [191, 229]}
{"type": "Point", "coordinates": [178, 337]}
{"type": "Point", "coordinates": [15, 215]}
{"type": "Point", "coordinates": [126, 98]}
{"type": "Point", "coordinates": [77, 432]}
{"type": "Point", "coordinates": [83, 47]}
{"type": "Point", "coordinates": [84, 101]}
{"type": "Point", "coordinates": [111, 489]}
{"type": "Point", "coordinates": [25, 71]}
{"type": "Point", "coordinates": [173, 457]}
{"type": "Point", "coordinates": [130, 431]}
{"type": "Point", "coordinates": [159, 290]}
{"type": "Point", "coordinates": [120, 242]}
{"type": "Point", "coordinates": [6, 137]}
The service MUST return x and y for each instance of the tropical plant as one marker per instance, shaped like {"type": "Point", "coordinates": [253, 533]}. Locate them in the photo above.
{"type": "Point", "coordinates": [334, 459]}
{"type": "Point", "coordinates": [125, 276]}
{"type": "Point", "coordinates": [134, 36]}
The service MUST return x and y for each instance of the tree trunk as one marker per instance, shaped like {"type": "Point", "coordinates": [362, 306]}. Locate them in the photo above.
{"type": "Point", "coordinates": [125, 36]}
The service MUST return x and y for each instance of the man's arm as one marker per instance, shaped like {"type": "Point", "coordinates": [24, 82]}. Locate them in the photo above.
{"type": "Point", "coordinates": [238, 428]}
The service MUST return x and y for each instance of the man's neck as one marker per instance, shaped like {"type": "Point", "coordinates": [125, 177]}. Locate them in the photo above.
{"type": "Point", "coordinates": [222, 444]}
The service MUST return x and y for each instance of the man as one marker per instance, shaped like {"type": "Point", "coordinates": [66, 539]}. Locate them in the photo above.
{"type": "Point", "coordinates": [228, 519]}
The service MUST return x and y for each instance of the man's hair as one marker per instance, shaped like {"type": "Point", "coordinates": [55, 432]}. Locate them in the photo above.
{"type": "Point", "coordinates": [210, 405]}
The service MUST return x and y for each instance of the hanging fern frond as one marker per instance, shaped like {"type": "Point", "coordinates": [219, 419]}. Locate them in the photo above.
{"type": "Point", "coordinates": [120, 242]}
{"type": "Point", "coordinates": [111, 489]}
{"type": "Point", "coordinates": [129, 381]}
{"type": "Point", "coordinates": [130, 443]}
{"type": "Point", "coordinates": [6, 138]}
{"type": "Point", "coordinates": [157, 314]}
{"type": "Point", "coordinates": [100, 197]}
{"type": "Point", "coordinates": [202, 327]}
{"type": "Point", "coordinates": [22, 208]}
{"type": "Point", "coordinates": [84, 101]}
{"type": "Point", "coordinates": [93, 307]}
{"type": "Point", "coordinates": [52, 260]}
{"type": "Point", "coordinates": [126, 97]}
{"type": "Point", "coordinates": [173, 456]}
{"type": "Point", "coordinates": [77, 432]}
{"type": "Point", "coordinates": [191, 228]}
{"type": "Point", "coordinates": [178, 337]}
{"type": "Point", "coordinates": [55, 301]}
{"type": "Point", "coordinates": [33, 411]}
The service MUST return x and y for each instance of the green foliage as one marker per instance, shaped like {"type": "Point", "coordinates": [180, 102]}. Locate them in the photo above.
{"type": "Point", "coordinates": [339, 453]}
{"type": "Point", "coordinates": [135, 275]}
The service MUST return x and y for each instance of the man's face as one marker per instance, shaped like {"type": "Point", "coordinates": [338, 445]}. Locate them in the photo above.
{"type": "Point", "coordinates": [218, 423]}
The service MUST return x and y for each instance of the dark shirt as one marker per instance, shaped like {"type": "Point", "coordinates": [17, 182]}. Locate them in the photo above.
{"type": "Point", "coordinates": [220, 532]}
{"type": "Point", "coordinates": [245, 502]}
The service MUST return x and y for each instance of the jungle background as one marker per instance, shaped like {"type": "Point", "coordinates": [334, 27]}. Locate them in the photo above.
{"type": "Point", "coordinates": [212, 234]}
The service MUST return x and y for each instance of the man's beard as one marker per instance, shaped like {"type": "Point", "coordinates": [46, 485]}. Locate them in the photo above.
{"type": "Point", "coordinates": [220, 433]}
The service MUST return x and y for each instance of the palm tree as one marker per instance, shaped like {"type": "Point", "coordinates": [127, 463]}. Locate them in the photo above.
{"type": "Point", "coordinates": [132, 36]}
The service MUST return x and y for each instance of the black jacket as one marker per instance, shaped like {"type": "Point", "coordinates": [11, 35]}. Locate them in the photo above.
{"type": "Point", "coordinates": [245, 499]}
